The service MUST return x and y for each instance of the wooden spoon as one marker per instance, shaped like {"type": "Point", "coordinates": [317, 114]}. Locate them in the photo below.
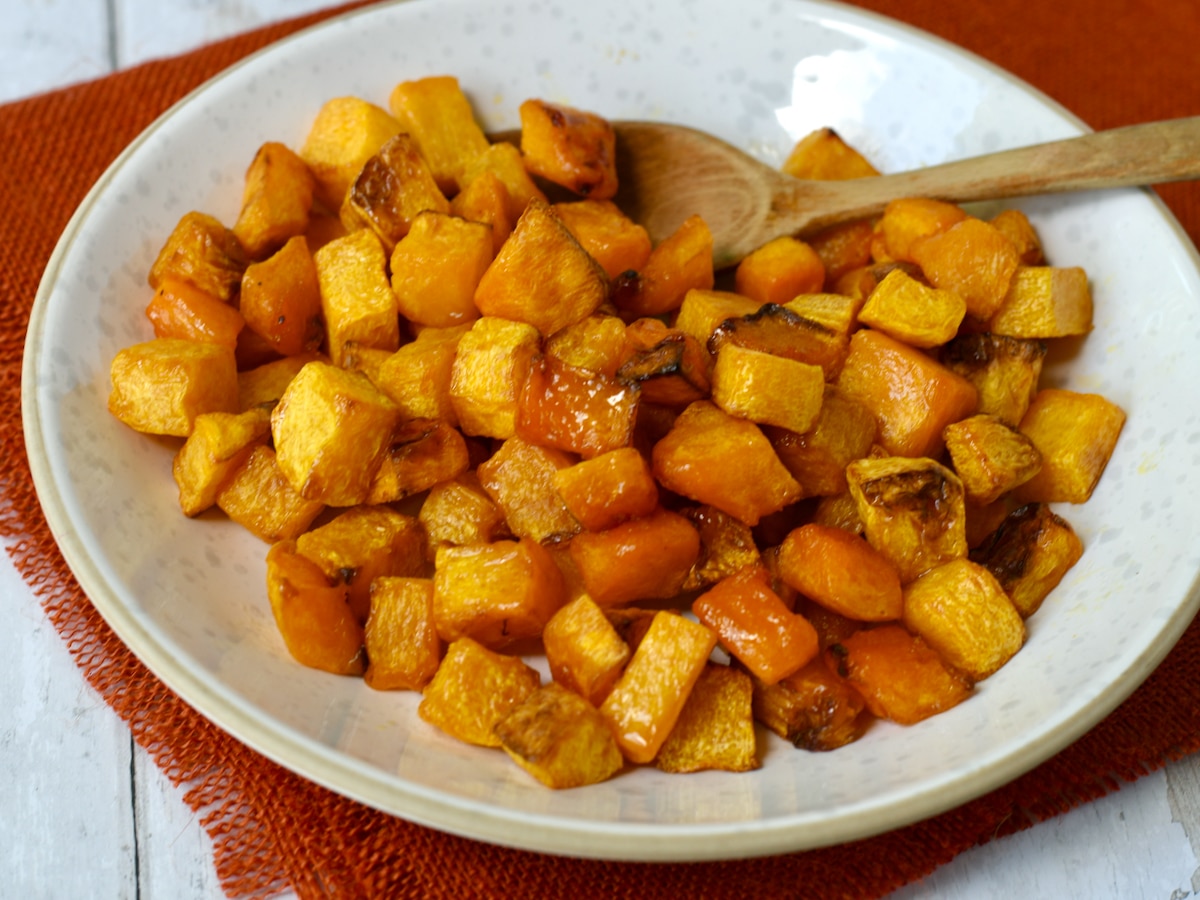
{"type": "Point", "coordinates": [669, 172]}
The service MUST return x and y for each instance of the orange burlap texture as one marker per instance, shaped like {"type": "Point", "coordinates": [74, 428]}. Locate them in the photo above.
{"type": "Point", "coordinates": [1112, 62]}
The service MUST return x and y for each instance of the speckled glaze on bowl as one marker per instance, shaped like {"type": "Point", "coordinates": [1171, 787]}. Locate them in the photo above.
{"type": "Point", "coordinates": [188, 596]}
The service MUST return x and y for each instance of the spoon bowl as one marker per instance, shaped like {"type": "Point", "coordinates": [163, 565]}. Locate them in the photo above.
{"type": "Point", "coordinates": [669, 172]}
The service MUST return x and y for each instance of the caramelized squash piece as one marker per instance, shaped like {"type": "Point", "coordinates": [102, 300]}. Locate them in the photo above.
{"type": "Point", "coordinates": [813, 708]}
{"type": "Point", "coordinates": [726, 546]}
{"type": "Point", "coordinates": [1029, 554]}
{"type": "Point", "coordinates": [608, 489]}
{"type": "Point", "coordinates": [421, 453]}
{"type": "Point", "coordinates": [504, 160]}
{"type": "Point", "coordinates": [767, 389]}
{"type": "Point", "coordinates": [276, 201]}
{"type": "Point", "coordinates": [962, 612]}
{"type": "Point", "coordinates": [670, 366]}
{"type": "Point", "coordinates": [909, 220]}
{"type": "Point", "coordinates": [437, 115]}
{"type": "Point", "coordinates": [495, 593]}
{"type": "Point", "coordinates": [642, 559]}
{"type": "Point", "coordinates": [899, 676]}
{"type": "Point", "coordinates": [715, 729]}
{"type": "Point", "coordinates": [913, 511]}
{"type": "Point", "coordinates": [485, 200]}
{"type": "Point", "coordinates": [436, 268]}
{"type": "Point", "coordinates": [259, 497]}
{"type": "Point", "coordinates": [418, 376]}
{"type": "Point", "coordinates": [753, 624]}
{"type": "Point", "coordinates": [646, 702]}
{"type": "Point", "coordinates": [1076, 434]}
{"type": "Point", "coordinates": [912, 396]}
{"type": "Point", "coordinates": [683, 261]}
{"type": "Point", "coordinates": [542, 276]}
{"type": "Point", "coordinates": [779, 270]}
{"type": "Point", "coordinates": [974, 260]}
{"type": "Point", "coordinates": [281, 299]}
{"type": "Point", "coordinates": [182, 311]}
{"type": "Point", "coordinates": [842, 572]}
{"type": "Point", "coordinates": [346, 132]}
{"type": "Point", "coordinates": [161, 386]}
{"type": "Point", "coordinates": [583, 649]}
{"type": "Point", "coordinates": [912, 312]}
{"type": "Point", "coordinates": [1045, 302]}
{"type": "Point", "coordinates": [843, 248]}
{"type": "Point", "coordinates": [218, 445]}
{"type": "Point", "coordinates": [393, 188]}
{"type": "Point", "coordinates": [990, 457]}
{"type": "Point", "coordinates": [204, 253]}
{"type": "Point", "coordinates": [823, 155]}
{"type": "Point", "coordinates": [611, 238]}
{"type": "Point", "coordinates": [474, 689]}
{"type": "Point", "coordinates": [490, 366]}
{"type": "Point", "coordinates": [560, 739]}
{"type": "Point", "coordinates": [594, 344]}
{"type": "Point", "coordinates": [312, 615]}
{"type": "Point", "coordinates": [402, 644]}
{"type": "Point", "coordinates": [357, 302]}
{"type": "Point", "coordinates": [459, 511]}
{"type": "Point", "coordinates": [1005, 371]}
{"type": "Point", "coordinates": [580, 412]}
{"type": "Point", "coordinates": [780, 331]}
{"type": "Point", "coordinates": [570, 147]}
{"type": "Point", "coordinates": [519, 477]}
{"type": "Point", "coordinates": [706, 440]}
{"type": "Point", "coordinates": [844, 431]}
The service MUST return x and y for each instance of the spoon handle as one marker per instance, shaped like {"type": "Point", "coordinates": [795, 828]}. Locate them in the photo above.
{"type": "Point", "coordinates": [1153, 153]}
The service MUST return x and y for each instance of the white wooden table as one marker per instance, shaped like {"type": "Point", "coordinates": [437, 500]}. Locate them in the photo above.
{"type": "Point", "coordinates": [84, 813]}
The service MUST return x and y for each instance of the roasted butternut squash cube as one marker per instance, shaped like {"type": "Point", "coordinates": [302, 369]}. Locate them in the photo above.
{"type": "Point", "coordinates": [492, 362]}
{"type": "Point", "coordinates": [913, 511]}
{"type": "Point", "coordinates": [542, 276]}
{"type": "Point", "coordinates": [842, 572]}
{"type": "Point", "coordinates": [560, 739]}
{"type": "Point", "coordinates": [779, 270]}
{"type": "Point", "coordinates": [962, 612]}
{"type": "Point", "coordinates": [781, 332]}
{"type": "Point", "coordinates": [983, 520]}
{"type": "Point", "coordinates": [843, 249]}
{"type": "Point", "coordinates": [474, 689]}
{"type": "Point", "coordinates": [485, 200]}
{"type": "Point", "coordinates": [844, 431]}
{"type": "Point", "coordinates": [495, 593]}
{"type": "Point", "coordinates": [899, 676]}
{"type": "Point", "coordinates": [767, 389]}
{"type": "Point", "coordinates": [727, 546]}
{"type": "Point", "coordinates": [836, 312]}
{"type": "Point", "coordinates": [459, 511]}
{"type": "Point", "coordinates": [909, 220]}
{"type": "Point", "coordinates": [1029, 553]}
{"type": "Point", "coordinates": [504, 160]}
{"type": "Point", "coordinates": [345, 133]}
{"type": "Point", "coordinates": [646, 701]}
{"type": "Point", "coordinates": [259, 498]}
{"type": "Point", "coordinates": [519, 477]}
{"type": "Point", "coordinates": [1076, 434]}
{"type": "Point", "coordinates": [1015, 225]}
{"type": "Point", "coordinates": [973, 259]}
{"type": "Point", "coordinates": [911, 312]}
{"type": "Point", "coordinates": [705, 440]}
{"type": "Point", "coordinates": [182, 311]}
{"type": "Point", "coordinates": [312, 615]}
{"type": "Point", "coordinates": [263, 385]}
{"type": "Point", "coordinates": [421, 453]}
{"type": "Point", "coordinates": [681, 262]}
{"type": "Point", "coordinates": [436, 113]}
{"type": "Point", "coordinates": [823, 155]}
{"type": "Point", "coordinates": [204, 253]}
{"type": "Point", "coordinates": [403, 647]}
{"type": "Point", "coordinates": [813, 708]}
{"type": "Point", "coordinates": [642, 559]}
{"type": "Point", "coordinates": [593, 344]}
{"type": "Point", "coordinates": [161, 386]}
{"type": "Point", "coordinates": [583, 649]}
{"type": "Point", "coordinates": [912, 396]}
{"type": "Point", "coordinates": [331, 430]}
{"type": "Point", "coordinates": [754, 625]}
{"type": "Point", "coordinates": [613, 239]}
{"type": "Point", "coordinates": [580, 412]}
{"type": "Point", "coordinates": [570, 147]}
{"type": "Point", "coordinates": [702, 311]}
{"type": "Point", "coordinates": [1045, 302]}
{"type": "Point", "coordinates": [436, 267]}
{"type": "Point", "coordinates": [1005, 371]}
{"type": "Point", "coordinates": [277, 200]}
{"type": "Point", "coordinates": [418, 376]}
{"type": "Point", "coordinates": [281, 299]}
{"type": "Point", "coordinates": [362, 544]}
{"type": "Point", "coordinates": [990, 457]}
{"type": "Point", "coordinates": [608, 489]}
{"type": "Point", "coordinates": [715, 729]}
{"type": "Point", "coordinates": [357, 301]}
{"type": "Point", "coordinates": [671, 366]}
{"type": "Point", "coordinates": [218, 445]}
{"type": "Point", "coordinates": [393, 188]}
{"type": "Point", "coordinates": [838, 511]}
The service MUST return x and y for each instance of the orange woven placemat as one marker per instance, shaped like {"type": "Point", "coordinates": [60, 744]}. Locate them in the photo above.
{"type": "Point", "coordinates": [1112, 62]}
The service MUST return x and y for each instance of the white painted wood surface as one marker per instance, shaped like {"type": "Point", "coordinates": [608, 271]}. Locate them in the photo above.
{"type": "Point", "coordinates": [85, 814]}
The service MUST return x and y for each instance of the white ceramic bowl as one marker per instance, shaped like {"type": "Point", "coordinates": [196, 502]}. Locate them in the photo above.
{"type": "Point", "coordinates": [188, 596]}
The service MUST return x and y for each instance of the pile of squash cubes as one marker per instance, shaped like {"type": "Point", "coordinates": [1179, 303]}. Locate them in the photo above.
{"type": "Point", "coordinates": [478, 417]}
